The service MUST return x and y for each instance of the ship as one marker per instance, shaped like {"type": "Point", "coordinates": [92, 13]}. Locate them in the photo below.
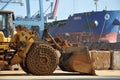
{"type": "Point", "coordinates": [95, 29]}
{"type": "Point", "coordinates": [95, 26]}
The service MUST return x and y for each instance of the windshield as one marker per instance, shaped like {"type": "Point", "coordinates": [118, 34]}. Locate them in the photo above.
{"type": "Point", "coordinates": [6, 24]}
{"type": "Point", "coordinates": [3, 21]}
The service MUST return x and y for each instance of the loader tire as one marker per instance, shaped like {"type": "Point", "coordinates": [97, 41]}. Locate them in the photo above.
{"type": "Point", "coordinates": [41, 59]}
{"type": "Point", "coordinates": [24, 67]}
{"type": "Point", "coordinates": [63, 59]}
{"type": "Point", "coordinates": [61, 64]}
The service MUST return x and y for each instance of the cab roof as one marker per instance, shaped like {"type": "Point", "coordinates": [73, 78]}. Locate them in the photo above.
{"type": "Point", "coordinates": [5, 11]}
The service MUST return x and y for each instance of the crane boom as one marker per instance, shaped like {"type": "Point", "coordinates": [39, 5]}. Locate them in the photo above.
{"type": "Point", "coordinates": [55, 8]}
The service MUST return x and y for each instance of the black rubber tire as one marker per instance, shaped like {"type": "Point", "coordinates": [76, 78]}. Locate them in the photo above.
{"type": "Point", "coordinates": [41, 59]}
{"type": "Point", "coordinates": [24, 67]}
{"type": "Point", "coordinates": [61, 64]}
{"type": "Point", "coordinates": [63, 58]}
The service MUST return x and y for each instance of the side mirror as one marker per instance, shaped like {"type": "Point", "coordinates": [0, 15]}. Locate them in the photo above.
{"type": "Point", "coordinates": [13, 17]}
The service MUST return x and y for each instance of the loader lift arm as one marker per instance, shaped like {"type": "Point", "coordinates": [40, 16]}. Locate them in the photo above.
{"type": "Point", "coordinates": [73, 58]}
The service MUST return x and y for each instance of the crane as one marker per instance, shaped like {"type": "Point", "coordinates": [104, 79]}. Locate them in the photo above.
{"type": "Point", "coordinates": [29, 21]}
{"type": "Point", "coordinates": [54, 10]}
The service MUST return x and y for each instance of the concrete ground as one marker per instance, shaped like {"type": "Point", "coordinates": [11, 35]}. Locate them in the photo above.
{"type": "Point", "coordinates": [61, 75]}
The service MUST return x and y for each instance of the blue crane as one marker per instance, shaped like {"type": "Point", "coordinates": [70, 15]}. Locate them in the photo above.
{"type": "Point", "coordinates": [33, 22]}
{"type": "Point", "coordinates": [29, 21]}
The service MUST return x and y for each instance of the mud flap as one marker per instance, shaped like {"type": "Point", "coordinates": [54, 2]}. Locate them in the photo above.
{"type": "Point", "coordinates": [77, 59]}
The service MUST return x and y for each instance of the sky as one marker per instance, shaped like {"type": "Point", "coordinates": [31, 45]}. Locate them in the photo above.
{"type": "Point", "coordinates": [65, 8]}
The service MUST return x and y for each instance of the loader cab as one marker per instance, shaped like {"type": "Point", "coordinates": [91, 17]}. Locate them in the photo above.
{"type": "Point", "coordinates": [6, 23]}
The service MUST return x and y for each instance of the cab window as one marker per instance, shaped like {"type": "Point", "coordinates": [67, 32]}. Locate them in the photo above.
{"type": "Point", "coordinates": [2, 21]}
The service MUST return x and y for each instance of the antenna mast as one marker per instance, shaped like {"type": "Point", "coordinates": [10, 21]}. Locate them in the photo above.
{"type": "Point", "coordinates": [96, 3]}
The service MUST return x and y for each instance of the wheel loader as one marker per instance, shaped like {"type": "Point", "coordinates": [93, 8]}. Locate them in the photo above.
{"type": "Point", "coordinates": [38, 56]}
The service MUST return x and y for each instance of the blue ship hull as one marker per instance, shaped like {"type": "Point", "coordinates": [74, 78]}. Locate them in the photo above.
{"type": "Point", "coordinates": [96, 26]}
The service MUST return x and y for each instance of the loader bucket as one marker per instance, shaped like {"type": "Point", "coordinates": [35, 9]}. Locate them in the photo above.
{"type": "Point", "coordinates": [77, 59]}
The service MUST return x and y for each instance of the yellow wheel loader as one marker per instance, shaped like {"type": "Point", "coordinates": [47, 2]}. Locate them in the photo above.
{"type": "Point", "coordinates": [38, 56]}
{"type": "Point", "coordinates": [25, 48]}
